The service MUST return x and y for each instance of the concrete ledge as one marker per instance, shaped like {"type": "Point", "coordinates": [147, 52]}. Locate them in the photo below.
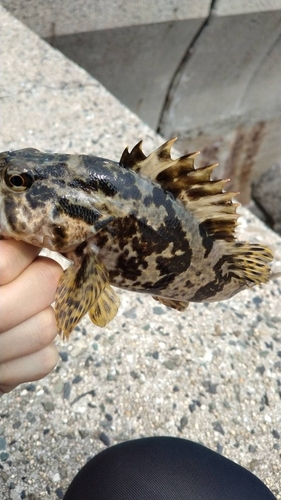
{"type": "Point", "coordinates": [229, 8]}
{"type": "Point", "coordinates": [206, 72]}
{"type": "Point", "coordinates": [49, 18]}
{"type": "Point", "coordinates": [135, 63]}
{"type": "Point", "coordinates": [45, 98]}
{"type": "Point", "coordinates": [225, 99]}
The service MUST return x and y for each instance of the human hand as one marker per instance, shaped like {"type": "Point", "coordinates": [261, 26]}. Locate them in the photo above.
{"type": "Point", "coordinates": [27, 321]}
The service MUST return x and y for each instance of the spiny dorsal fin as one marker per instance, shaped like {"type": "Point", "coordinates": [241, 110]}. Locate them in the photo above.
{"type": "Point", "coordinates": [212, 206]}
{"type": "Point", "coordinates": [134, 158]}
{"type": "Point", "coordinates": [150, 165]}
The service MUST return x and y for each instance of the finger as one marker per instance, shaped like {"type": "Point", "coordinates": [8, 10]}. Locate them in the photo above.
{"type": "Point", "coordinates": [30, 336]}
{"type": "Point", "coordinates": [29, 368]}
{"type": "Point", "coordinates": [15, 256]}
{"type": "Point", "coordinates": [33, 291]}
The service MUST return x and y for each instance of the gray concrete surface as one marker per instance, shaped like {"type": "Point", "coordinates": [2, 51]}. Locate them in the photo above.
{"type": "Point", "coordinates": [208, 72]}
{"type": "Point", "coordinates": [212, 374]}
{"type": "Point", "coordinates": [266, 194]}
{"type": "Point", "coordinates": [225, 99]}
{"type": "Point", "coordinates": [49, 18]}
{"type": "Point", "coordinates": [135, 63]}
{"type": "Point", "coordinates": [228, 8]}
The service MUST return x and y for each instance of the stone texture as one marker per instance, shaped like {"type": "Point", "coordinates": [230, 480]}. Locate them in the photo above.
{"type": "Point", "coordinates": [207, 72]}
{"type": "Point", "coordinates": [226, 7]}
{"type": "Point", "coordinates": [46, 96]}
{"type": "Point", "coordinates": [51, 18]}
{"type": "Point", "coordinates": [135, 63]}
{"type": "Point", "coordinates": [266, 193]}
{"type": "Point", "coordinates": [225, 99]}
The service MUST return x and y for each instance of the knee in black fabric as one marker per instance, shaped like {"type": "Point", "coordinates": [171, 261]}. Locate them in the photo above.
{"type": "Point", "coordinates": [164, 468]}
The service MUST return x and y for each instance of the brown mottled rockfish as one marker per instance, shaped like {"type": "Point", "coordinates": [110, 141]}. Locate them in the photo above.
{"type": "Point", "coordinates": [149, 224]}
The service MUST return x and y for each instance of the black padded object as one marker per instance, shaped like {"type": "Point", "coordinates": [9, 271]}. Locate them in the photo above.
{"type": "Point", "coordinates": [164, 468]}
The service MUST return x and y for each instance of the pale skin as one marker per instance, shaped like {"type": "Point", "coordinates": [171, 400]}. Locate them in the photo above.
{"type": "Point", "coordinates": [27, 321]}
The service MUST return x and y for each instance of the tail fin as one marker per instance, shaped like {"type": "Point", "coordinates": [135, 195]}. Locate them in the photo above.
{"type": "Point", "coordinates": [250, 263]}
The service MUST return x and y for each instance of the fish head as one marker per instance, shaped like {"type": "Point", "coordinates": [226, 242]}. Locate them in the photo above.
{"type": "Point", "coordinates": [49, 200]}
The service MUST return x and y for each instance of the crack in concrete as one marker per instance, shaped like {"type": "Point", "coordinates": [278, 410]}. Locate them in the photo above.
{"type": "Point", "coordinates": [177, 74]}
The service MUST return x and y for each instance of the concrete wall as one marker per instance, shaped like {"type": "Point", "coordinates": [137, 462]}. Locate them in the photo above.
{"type": "Point", "coordinates": [133, 48]}
{"type": "Point", "coordinates": [135, 63]}
{"type": "Point", "coordinates": [225, 99]}
{"type": "Point", "coordinates": [207, 72]}
{"type": "Point", "coordinates": [53, 17]}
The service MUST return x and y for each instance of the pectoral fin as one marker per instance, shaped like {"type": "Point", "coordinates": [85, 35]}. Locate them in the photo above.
{"type": "Point", "coordinates": [79, 288]}
{"type": "Point", "coordinates": [175, 304]}
{"type": "Point", "coordinates": [105, 308]}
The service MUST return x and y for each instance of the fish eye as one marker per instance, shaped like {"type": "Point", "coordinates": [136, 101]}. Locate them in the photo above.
{"type": "Point", "coordinates": [18, 182]}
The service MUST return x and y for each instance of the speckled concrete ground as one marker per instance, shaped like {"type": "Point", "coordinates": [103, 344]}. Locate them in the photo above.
{"type": "Point", "coordinates": [212, 374]}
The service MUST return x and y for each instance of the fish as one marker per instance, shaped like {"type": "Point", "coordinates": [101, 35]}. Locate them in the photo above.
{"type": "Point", "coordinates": [149, 224]}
